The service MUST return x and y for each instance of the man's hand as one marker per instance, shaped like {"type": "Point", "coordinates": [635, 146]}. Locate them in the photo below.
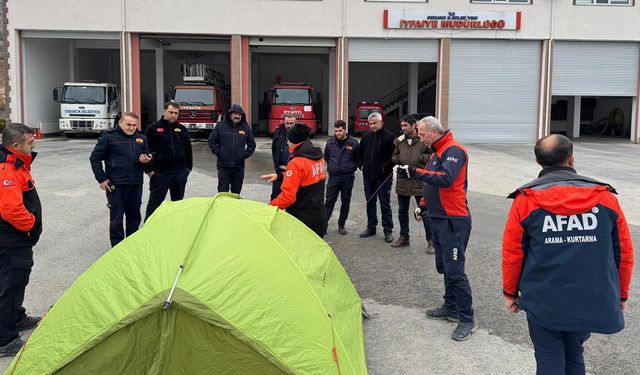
{"type": "Point", "coordinates": [145, 158]}
{"type": "Point", "coordinates": [417, 213]}
{"type": "Point", "coordinates": [512, 305]}
{"type": "Point", "coordinates": [405, 171]}
{"type": "Point", "coordinates": [105, 185]}
{"type": "Point", "coordinates": [271, 177]}
{"type": "Point", "coordinates": [623, 306]}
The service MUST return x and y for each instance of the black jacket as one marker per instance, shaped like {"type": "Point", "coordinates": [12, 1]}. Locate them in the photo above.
{"type": "Point", "coordinates": [375, 152]}
{"type": "Point", "coordinates": [232, 143]}
{"type": "Point", "coordinates": [18, 194]}
{"type": "Point", "coordinates": [280, 150]}
{"type": "Point", "coordinates": [341, 161]}
{"type": "Point", "coordinates": [171, 145]}
{"type": "Point", "coordinates": [120, 154]}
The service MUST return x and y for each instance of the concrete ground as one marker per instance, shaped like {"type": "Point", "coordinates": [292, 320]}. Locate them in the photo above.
{"type": "Point", "coordinates": [396, 285]}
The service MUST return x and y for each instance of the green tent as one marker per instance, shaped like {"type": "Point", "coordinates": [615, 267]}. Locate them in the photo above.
{"type": "Point", "coordinates": [251, 290]}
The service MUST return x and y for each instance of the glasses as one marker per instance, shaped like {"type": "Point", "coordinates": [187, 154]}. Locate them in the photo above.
{"type": "Point", "coordinates": [289, 123]}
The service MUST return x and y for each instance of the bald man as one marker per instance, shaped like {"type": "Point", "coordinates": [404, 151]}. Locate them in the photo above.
{"type": "Point", "coordinates": [567, 258]}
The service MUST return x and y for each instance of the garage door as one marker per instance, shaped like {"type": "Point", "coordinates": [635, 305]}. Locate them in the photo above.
{"type": "Point", "coordinates": [493, 90]}
{"type": "Point", "coordinates": [393, 50]}
{"type": "Point", "coordinates": [595, 68]}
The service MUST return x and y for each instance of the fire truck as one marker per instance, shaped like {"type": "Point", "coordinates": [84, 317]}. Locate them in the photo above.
{"type": "Point", "coordinates": [202, 98]}
{"type": "Point", "coordinates": [359, 123]}
{"type": "Point", "coordinates": [292, 100]}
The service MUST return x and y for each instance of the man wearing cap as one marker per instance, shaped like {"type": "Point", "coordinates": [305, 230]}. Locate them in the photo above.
{"type": "Point", "coordinates": [280, 153]}
{"type": "Point", "coordinates": [303, 185]}
{"type": "Point", "coordinates": [232, 142]}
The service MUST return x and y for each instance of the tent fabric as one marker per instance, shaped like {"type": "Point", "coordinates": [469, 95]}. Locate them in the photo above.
{"type": "Point", "coordinates": [259, 293]}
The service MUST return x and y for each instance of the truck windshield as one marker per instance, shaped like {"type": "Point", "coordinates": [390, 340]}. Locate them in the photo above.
{"type": "Point", "coordinates": [194, 97]}
{"type": "Point", "coordinates": [83, 94]}
{"type": "Point", "coordinates": [364, 113]}
{"type": "Point", "coordinates": [292, 96]}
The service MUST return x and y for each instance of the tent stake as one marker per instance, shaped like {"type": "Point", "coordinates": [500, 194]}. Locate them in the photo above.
{"type": "Point", "coordinates": [168, 302]}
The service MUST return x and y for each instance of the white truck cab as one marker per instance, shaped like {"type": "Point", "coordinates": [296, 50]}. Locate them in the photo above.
{"type": "Point", "coordinates": [87, 107]}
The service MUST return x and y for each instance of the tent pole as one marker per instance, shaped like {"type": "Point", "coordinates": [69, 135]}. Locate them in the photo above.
{"type": "Point", "coordinates": [168, 302]}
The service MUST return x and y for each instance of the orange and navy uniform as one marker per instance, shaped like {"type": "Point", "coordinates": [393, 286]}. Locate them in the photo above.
{"type": "Point", "coordinates": [567, 253]}
{"type": "Point", "coordinates": [20, 209]}
{"type": "Point", "coordinates": [445, 178]}
{"type": "Point", "coordinates": [302, 191]}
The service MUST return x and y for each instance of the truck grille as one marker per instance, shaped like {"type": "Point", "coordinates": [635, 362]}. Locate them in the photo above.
{"type": "Point", "coordinates": [81, 125]}
{"type": "Point", "coordinates": [197, 116]}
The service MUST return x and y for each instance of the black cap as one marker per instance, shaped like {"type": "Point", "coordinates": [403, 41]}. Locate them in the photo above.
{"type": "Point", "coordinates": [298, 133]}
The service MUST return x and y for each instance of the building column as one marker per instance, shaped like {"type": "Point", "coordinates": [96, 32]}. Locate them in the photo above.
{"type": "Point", "coordinates": [574, 126]}
{"type": "Point", "coordinates": [412, 86]}
{"type": "Point", "coordinates": [159, 56]}
{"type": "Point", "coordinates": [546, 70]}
{"type": "Point", "coordinates": [635, 116]}
{"type": "Point", "coordinates": [240, 73]}
{"type": "Point", "coordinates": [246, 78]}
{"type": "Point", "coordinates": [442, 85]}
{"type": "Point", "coordinates": [331, 110]}
{"type": "Point", "coordinates": [342, 79]}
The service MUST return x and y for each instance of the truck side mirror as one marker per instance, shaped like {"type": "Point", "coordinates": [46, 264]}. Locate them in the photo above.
{"type": "Point", "coordinates": [56, 94]}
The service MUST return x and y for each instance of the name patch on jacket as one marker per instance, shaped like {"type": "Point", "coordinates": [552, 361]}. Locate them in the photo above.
{"type": "Point", "coordinates": [8, 182]}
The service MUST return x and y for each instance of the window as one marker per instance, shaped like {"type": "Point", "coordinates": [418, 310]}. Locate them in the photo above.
{"type": "Point", "coordinates": [503, 1]}
{"type": "Point", "coordinates": [604, 2]}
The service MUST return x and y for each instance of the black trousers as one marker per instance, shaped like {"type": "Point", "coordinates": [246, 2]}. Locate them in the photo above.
{"type": "Point", "coordinates": [230, 177]}
{"type": "Point", "coordinates": [124, 200]}
{"type": "Point", "coordinates": [161, 182]}
{"type": "Point", "coordinates": [403, 216]}
{"type": "Point", "coordinates": [15, 268]}
{"type": "Point", "coordinates": [276, 189]}
{"type": "Point", "coordinates": [383, 194]}
{"type": "Point", "coordinates": [342, 185]}
{"type": "Point", "coordinates": [558, 352]}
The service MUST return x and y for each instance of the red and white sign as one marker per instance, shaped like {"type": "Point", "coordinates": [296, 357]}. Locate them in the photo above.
{"type": "Point", "coordinates": [420, 19]}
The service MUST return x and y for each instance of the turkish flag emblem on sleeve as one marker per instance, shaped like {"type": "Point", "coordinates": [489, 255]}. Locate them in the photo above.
{"type": "Point", "coordinates": [8, 182]}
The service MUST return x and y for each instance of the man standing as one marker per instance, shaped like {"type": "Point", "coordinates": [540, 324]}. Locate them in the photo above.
{"type": "Point", "coordinates": [445, 193]}
{"type": "Point", "coordinates": [172, 158]}
{"type": "Point", "coordinates": [232, 142]}
{"type": "Point", "coordinates": [20, 228]}
{"type": "Point", "coordinates": [567, 258]}
{"type": "Point", "coordinates": [340, 154]}
{"type": "Point", "coordinates": [280, 153]}
{"type": "Point", "coordinates": [410, 151]}
{"type": "Point", "coordinates": [125, 153]}
{"type": "Point", "coordinates": [374, 154]}
{"type": "Point", "coordinates": [302, 193]}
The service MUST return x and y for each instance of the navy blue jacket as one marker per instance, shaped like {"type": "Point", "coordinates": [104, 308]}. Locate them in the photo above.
{"type": "Point", "coordinates": [280, 150]}
{"type": "Point", "coordinates": [232, 143]}
{"type": "Point", "coordinates": [341, 161]}
{"type": "Point", "coordinates": [120, 153]}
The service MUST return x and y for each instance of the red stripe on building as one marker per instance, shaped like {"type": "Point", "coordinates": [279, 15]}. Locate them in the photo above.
{"type": "Point", "coordinates": [385, 21]}
{"type": "Point", "coordinates": [518, 20]}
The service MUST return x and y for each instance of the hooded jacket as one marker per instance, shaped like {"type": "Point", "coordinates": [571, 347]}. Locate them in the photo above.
{"type": "Point", "coordinates": [172, 147]}
{"type": "Point", "coordinates": [413, 153]}
{"type": "Point", "coordinates": [445, 178]}
{"type": "Point", "coordinates": [20, 209]}
{"type": "Point", "coordinates": [232, 144]}
{"type": "Point", "coordinates": [120, 153]}
{"type": "Point", "coordinates": [302, 191]}
{"type": "Point", "coordinates": [567, 253]}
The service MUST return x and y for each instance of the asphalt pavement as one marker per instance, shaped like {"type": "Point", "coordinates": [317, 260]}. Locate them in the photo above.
{"type": "Point", "coordinates": [397, 285]}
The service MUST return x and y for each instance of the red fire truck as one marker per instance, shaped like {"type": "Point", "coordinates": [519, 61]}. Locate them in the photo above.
{"type": "Point", "coordinates": [203, 102]}
{"type": "Point", "coordinates": [359, 123]}
{"type": "Point", "coordinates": [292, 100]}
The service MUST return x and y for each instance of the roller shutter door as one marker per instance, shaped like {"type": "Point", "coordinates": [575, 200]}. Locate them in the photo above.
{"type": "Point", "coordinates": [493, 90]}
{"type": "Point", "coordinates": [393, 50]}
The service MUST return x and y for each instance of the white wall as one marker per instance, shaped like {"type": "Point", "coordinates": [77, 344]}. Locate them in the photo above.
{"type": "Point", "coordinates": [46, 67]}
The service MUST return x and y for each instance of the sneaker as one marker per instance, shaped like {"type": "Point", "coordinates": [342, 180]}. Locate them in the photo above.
{"type": "Point", "coordinates": [341, 230]}
{"type": "Point", "coordinates": [441, 313]}
{"type": "Point", "coordinates": [28, 322]}
{"type": "Point", "coordinates": [430, 248]}
{"type": "Point", "coordinates": [367, 233]}
{"type": "Point", "coordinates": [388, 237]}
{"type": "Point", "coordinates": [402, 241]}
{"type": "Point", "coordinates": [11, 348]}
{"type": "Point", "coordinates": [463, 331]}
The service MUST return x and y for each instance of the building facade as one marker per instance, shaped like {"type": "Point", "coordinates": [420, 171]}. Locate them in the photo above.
{"type": "Point", "coordinates": [494, 71]}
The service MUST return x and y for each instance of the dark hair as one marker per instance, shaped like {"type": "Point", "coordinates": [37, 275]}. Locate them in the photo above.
{"type": "Point", "coordinates": [408, 119]}
{"type": "Point", "coordinates": [131, 115]}
{"type": "Point", "coordinates": [15, 133]}
{"type": "Point", "coordinates": [553, 150]}
{"type": "Point", "coordinates": [340, 124]}
{"type": "Point", "coordinates": [171, 103]}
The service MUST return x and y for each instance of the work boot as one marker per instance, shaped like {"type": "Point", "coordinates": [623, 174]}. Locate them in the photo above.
{"type": "Point", "coordinates": [28, 322]}
{"type": "Point", "coordinates": [402, 241]}
{"type": "Point", "coordinates": [341, 230]}
{"type": "Point", "coordinates": [463, 331]}
{"type": "Point", "coordinates": [11, 348]}
{"type": "Point", "coordinates": [388, 237]}
{"type": "Point", "coordinates": [441, 313]}
{"type": "Point", "coordinates": [430, 248]}
{"type": "Point", "coordinates": [367, 233]}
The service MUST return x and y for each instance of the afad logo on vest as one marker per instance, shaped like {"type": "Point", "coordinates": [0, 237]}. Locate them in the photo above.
{"type": "Point", "coordinates": [563, 223]}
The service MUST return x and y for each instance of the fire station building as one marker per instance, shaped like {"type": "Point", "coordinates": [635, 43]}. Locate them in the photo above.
{"type": "Point", "coordinates": [493, 71]}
